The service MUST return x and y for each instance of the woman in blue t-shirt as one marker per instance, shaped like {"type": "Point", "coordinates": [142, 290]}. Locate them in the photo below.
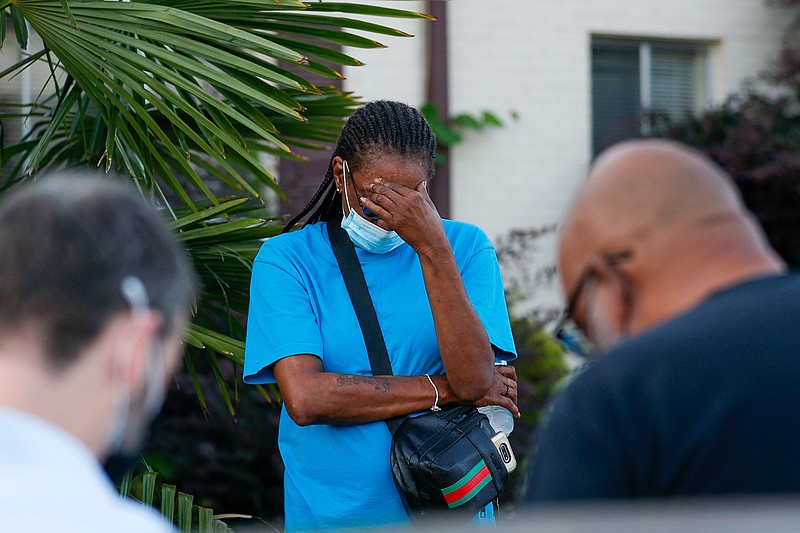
{"type": "Point", "coordinates": [437, 292]}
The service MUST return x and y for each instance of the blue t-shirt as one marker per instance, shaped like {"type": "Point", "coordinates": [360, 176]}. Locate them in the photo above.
{"type": "Point", "coordinates": [339, 476]}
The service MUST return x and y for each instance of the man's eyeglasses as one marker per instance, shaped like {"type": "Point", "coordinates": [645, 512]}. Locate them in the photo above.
{"type": "Point", "coordinates": [567, 330]}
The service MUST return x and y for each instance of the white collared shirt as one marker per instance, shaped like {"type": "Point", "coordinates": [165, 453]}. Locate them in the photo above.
{"type": "Point", "coordinates": [51, 482]}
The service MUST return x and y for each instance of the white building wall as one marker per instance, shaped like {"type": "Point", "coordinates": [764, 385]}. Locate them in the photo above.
{"type": "Point", "coordinates": [25, 86]}
{"type": "Point", "coordinates": [397, 72]}
{"type": "Point", "coordinates": [532, 58]}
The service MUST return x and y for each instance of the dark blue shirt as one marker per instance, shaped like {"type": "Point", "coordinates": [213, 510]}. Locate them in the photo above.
{"type": "Point", "coordinates": [706, 403]}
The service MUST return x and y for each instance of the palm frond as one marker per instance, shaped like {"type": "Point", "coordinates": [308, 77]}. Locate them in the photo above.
{"type": "Point", "coordinates": [186, 97]}
{"type": "Point", "coordinates": [142, 483]}
{"type": "Point", "coordinates": [171, 80]}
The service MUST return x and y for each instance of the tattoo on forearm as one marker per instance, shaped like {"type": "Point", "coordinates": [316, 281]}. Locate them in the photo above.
{"type": "Point", "coordinates": [379, 384]}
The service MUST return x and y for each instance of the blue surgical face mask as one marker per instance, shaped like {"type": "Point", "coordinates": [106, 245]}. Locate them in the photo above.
{"type": "Point", "coordinates": [364, 233]}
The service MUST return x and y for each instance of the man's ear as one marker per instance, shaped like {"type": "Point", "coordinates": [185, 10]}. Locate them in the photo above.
{"type": "Point", "coordinates": [338, 173]}
{"type": "Point", "coordinates": [137, 332]}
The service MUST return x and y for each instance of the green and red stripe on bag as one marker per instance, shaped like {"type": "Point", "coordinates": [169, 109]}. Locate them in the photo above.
{"type": "Point", "coordinates": [468, 486]}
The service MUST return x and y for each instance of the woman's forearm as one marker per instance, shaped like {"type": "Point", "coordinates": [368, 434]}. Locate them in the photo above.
{"type": "Point", "coordinates": [463, 343]}
{"type": "Point", "coordinates": [312, 396]}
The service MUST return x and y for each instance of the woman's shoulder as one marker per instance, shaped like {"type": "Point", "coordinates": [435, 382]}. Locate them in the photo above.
{"type": "Point", "coordinates": [307, 241]}
{"type": "Point", "coordinates": [465, 234]}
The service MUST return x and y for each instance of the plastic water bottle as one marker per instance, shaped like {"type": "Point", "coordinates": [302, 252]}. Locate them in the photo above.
{"type": "Point", "coordinates": [499, 417]}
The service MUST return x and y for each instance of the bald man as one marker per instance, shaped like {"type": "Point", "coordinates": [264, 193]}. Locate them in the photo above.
{"type": "Point", "coordinates": [695, 389]}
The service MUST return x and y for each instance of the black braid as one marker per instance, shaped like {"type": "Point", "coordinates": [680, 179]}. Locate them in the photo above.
{"type": "Point", "coordinates": [383, 126]}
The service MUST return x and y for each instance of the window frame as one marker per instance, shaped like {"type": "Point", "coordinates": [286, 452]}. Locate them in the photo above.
{"type": "Point", "coordinates": [702, 91]}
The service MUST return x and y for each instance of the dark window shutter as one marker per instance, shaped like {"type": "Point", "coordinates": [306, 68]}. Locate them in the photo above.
{"type": "Point", "coordinates": [616, 96]}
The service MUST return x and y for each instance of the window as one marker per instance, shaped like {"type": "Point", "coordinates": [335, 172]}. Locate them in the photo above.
{"type": "Point", "coordinates": [638, 87]}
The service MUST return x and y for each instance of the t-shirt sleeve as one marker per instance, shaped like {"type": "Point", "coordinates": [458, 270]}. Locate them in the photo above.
{"type": "Point", "coordinates": [281, 321]}
{"type": "Point", "coordinates": [578, 453]}
{"type": "Point", "coordinates": [484, 285]}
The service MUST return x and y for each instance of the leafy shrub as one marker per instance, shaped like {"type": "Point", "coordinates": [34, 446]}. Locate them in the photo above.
{"type": "Point", "coordinates": [755, 136]}
{"type": "Point", "coordinates": [541, 362]}
{"type": "Point", "coordinates": [229, 463]}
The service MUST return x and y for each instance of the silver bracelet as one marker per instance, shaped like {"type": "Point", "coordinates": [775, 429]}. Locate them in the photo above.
{"type": "Point", "coordinates": [435, 407]}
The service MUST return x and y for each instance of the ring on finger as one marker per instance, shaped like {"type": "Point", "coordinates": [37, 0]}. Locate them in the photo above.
{"type": "Point", "coordinates": [508, 390]}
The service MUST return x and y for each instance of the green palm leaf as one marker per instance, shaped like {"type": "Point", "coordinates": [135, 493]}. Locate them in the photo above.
{"type": "Point", "coordinates": [185, 97]}
{"type": "Point", "coordinates": [142, 483]}
{"type": "Point", "coordinates": [211, 71]}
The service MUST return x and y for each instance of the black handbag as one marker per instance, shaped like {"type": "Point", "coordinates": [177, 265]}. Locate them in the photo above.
{"type": "Point", "coordinates": [441, 460]}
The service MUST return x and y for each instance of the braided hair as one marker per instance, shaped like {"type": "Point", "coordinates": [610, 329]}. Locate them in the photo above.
{"type": "Point", "coordinates": [379, 127]}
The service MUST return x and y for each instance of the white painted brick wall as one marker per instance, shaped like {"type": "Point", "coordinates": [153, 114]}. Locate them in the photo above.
{"type": "Point", "coordinates": [532, 57]}
{"type": "Point", "coordinates": [397, 72]}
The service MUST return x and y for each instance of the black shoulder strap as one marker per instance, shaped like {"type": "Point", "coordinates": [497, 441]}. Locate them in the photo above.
{"type": "Point", "coordinates": [359, 296]}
